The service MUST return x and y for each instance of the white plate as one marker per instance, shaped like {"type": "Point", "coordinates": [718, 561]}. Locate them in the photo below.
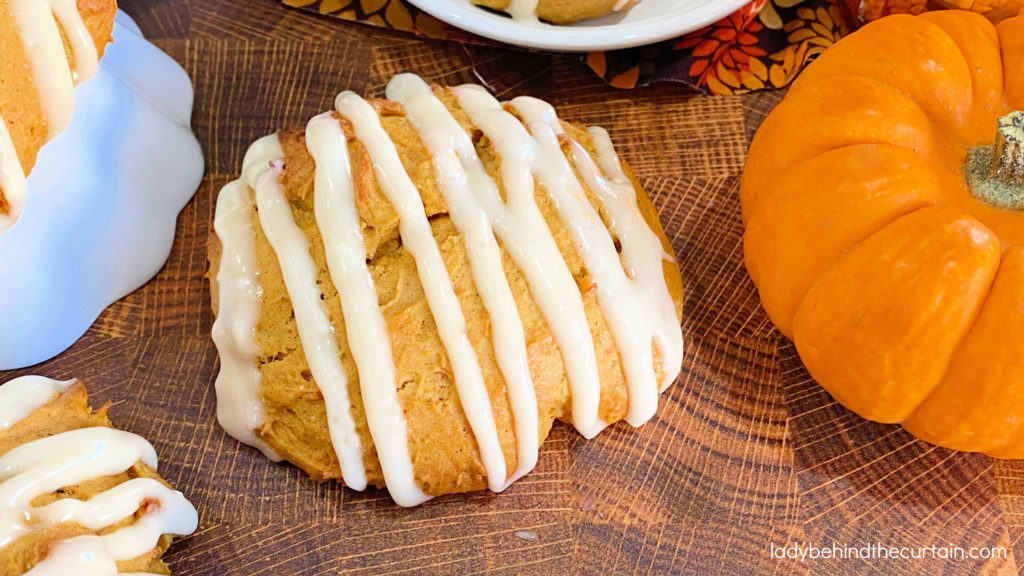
{"type": "Point", "coordinates": [102, 201]}
{"type": "Point", "coordinates": [648, 22]}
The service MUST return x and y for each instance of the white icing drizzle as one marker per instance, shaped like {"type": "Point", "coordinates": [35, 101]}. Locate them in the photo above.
{"type": "Point", "coordinates": [37, 24]}
{"type": "Point", "coordinates": [240, 410]}
{"type": "Point", "coordinates": [525, 11]}
{"type": "Point", "coordinates": [262, 170]}
{"type": "Point", "coordinates": [642, 254]}
{"type": "Point", "coordinates": [23, 396]}
{"type": "Point", "coordinates": [338, 220]}
{"type": "Point", "coordinates": [81, 556]}
{"type": "Point", "coordinates": [83, 49]}
{"type": "Point", "coordinates": [418, 240]}
{"type": "Point", "coordinates": [12, 179]}
{"type": "Point", "coordinates": [525, 235]}
{"type": "Point", "coordinates": [631, 288]}
{"type": "Point", "coordinates": [632, 310]}
{"type": "Point", "coordinates": [462, 178]}
{"type": "Point", "coordinates": [48, 464]}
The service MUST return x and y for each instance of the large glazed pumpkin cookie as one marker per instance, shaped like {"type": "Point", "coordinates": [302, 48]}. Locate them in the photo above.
{"type": "Point", "coordinates": [410, 291]}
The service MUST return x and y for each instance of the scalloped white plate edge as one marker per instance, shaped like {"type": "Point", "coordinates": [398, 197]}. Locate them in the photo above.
{"type": "Point", "coordinates": [103, 201]}
{"type": "Point", "coordinates": [648, 22]}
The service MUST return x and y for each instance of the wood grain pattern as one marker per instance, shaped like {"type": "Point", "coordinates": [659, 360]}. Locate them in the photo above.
{"type": "Point", "coordinates": [746, 450]}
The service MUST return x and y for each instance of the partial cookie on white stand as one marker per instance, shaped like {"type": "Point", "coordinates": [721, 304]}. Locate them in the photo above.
{"type": "Point", "coordinates": [104, 199]}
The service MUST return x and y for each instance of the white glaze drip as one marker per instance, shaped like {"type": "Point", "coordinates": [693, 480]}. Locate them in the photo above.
{"type": "Point", "coordinates": [642, 254]}
{"type": "Point", "coordinates": [48, 464]}
{"type": "Point", "coordinates": [81, 556]}
{"type": "Point", "coordinates": [262, 170]}
{"type": "Point", "coordinates": [418, 240]}
{"type": "Point", "coordinates": [165, 512]}
{"type": "Point", "coordinates": [48, 63]}
{"type": "Point", "coordinates": [632, 311]}
{"type": "Point", "coordinates": [338, 220]}
{"type": "Point", "coordinates": [37, 25]}
{"type": "Point", "coordinates": [525, 11]}
{"type": "Point", "coordinates": [83, 48]}
{"type": "Point", "coordinates": [239, 409]}
{"type": "Point", "coordinates": [12, 179]}
{"type": "Point", "coordinates": [462, 178]}
{"type": "Point", "coordinates": [23, 396]}
{"type": "Point", "coordinates": [525, 235]}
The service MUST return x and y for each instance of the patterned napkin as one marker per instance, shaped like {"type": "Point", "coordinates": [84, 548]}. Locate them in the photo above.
{"type": "Point", "coordinates": [762, 45]}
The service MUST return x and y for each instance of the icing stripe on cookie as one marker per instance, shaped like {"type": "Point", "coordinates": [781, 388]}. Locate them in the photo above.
{"type": "Point", "coordinates": [240, 410]}
{"type": "Point", "coordinates": [462, 177]}
{"type": "Point", "coordinates": [23, 396]}
{"type": "Point", "coordinates": [39, 24]}
{"type": "Point", "coordinates": [262, 169]}
{"type": "Point", "coordinates": [338, 220]}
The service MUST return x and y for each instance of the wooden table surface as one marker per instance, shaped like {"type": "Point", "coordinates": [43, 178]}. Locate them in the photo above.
{"type": "Point", "coordinates": [746, 452]}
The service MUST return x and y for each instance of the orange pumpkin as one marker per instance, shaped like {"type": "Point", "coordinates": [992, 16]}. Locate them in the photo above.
{"type": "Point", "coordinates": [994, 10]}
{"type": "Point", "coordinates": [884, 208]}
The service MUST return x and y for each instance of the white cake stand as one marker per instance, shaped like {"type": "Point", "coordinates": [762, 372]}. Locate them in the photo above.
{"type": "Point", "coordinates": [102, 201]}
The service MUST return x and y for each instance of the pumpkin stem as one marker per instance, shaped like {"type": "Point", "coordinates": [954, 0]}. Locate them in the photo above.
{"type": "Point", "coordinates": [996, 173]}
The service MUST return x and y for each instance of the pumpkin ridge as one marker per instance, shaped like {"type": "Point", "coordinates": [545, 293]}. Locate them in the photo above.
{"type": "Point", "coordinates": [808, 123]}
{"type": "Point", "coordinates": [969, 409]}
{"type": "Point", "coordinates": [788, 332]}
{"type": "Point", "coordinates": [793, 262]}
{"type": "Point", "coordinates": [911, 54]}
{"type": "Point", "coordinates": [976, 39]}
{"type": "Point", "coordinates": [1011, 46]}
{"type": "Point", "coordinates": [891, 296]}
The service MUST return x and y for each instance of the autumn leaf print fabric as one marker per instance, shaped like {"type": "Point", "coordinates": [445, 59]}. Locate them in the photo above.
{"type": "Point", "coordinates": [763, 45]}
